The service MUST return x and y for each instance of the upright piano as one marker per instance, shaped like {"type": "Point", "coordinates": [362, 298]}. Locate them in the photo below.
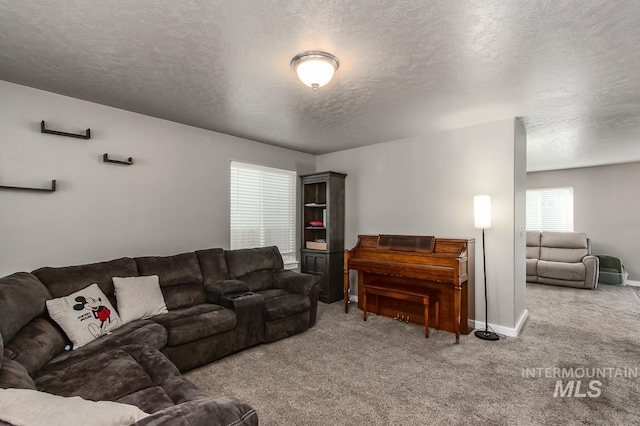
{"type": "Point", "coordinates": [441, 268]}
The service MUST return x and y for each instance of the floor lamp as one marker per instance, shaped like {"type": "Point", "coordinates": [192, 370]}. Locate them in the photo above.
{"type": "Point", "coordinates": [482, 219]}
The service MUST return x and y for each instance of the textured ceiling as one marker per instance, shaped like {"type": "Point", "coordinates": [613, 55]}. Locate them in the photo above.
{"type": "Point", "coordinates": [408, 67]}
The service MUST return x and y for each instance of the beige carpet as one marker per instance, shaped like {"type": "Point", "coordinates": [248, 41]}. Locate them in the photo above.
{"type": "Point", "coordinates": [381, 372]}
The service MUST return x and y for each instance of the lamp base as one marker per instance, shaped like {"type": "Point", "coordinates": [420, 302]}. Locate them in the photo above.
{"type": "Point", "coordinates": [486, 335]}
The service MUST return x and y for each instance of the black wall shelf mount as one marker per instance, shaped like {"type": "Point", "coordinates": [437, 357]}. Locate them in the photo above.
{"type": "Point", "coordinates": [87, 134]}
{"type": "Point", "coordinates": [127, 162]}
{"type": "Point", "coordinates": [23, 188]}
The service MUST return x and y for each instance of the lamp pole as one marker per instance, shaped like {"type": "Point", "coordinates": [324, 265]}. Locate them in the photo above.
{"type": "Point", "coordinates": [486, 334]}
{"type": "Point", "coordinates": [482, 219]}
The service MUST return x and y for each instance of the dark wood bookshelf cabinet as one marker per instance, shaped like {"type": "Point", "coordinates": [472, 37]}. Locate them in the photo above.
{"type": "Point", "coordinates": [322, 246]}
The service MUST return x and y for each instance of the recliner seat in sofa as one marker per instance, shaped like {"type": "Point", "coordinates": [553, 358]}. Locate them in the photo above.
{"type": "Point", "coordinates": [561, 258]}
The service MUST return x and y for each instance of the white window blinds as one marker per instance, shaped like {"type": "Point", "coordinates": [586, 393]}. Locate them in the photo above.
{"type": "Point", "coordinates": [550, 209]}
{"type": "Point", "coordinates": [263, 208]}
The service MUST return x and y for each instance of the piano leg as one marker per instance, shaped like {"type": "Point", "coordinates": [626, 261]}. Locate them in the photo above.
{"type": "Point", "coordinates": [437, 324]}
{"type": "Point", "coordinates": [425, 302]}
{"type": "Point", "coordinates": [364, 305]}
{"type": "Point", "coordinates": [457, 296]}
{"type": "Point", "coordinates": [345, 290]}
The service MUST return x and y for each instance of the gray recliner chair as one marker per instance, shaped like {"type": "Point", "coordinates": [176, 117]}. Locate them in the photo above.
{"type": "Point", "coordinates": [561, 258]}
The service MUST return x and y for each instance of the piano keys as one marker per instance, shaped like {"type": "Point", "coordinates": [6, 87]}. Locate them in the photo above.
{"type": "Point", "coordinates": [441, 268]}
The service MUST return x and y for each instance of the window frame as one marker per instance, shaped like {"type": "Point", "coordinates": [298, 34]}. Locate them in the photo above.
{"type": "Point", "coordinates": [558, 218]}
{"type": "Point", "coordinates": [262, 203]}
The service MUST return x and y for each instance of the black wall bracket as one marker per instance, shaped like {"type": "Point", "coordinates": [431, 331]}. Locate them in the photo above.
{"type": "Point", "coordinates": [23, 188]}
{"type": "Point", "coordinates": [127, 162]}
{"type": "Point", "coordinates": [87, 134]}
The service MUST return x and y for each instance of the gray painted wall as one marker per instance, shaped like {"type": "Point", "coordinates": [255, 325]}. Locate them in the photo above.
{"type": "Point", "coordinates": [425, 186]}
{"type": "Point", "coordinates": [606, 206]}
{"type": "Point", "coordinates": [519, 224]}
{"type": "Point", "coordinates": [175, 197]}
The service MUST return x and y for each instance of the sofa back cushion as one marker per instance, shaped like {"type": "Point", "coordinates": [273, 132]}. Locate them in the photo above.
{"type": "Point", "coordinates": [213, 265]}
{"type": "Point", "coordinates": [568, 247]}
{"type": "Point", "coordinates": [22, 298]}
{"type": "Point", "coordinates": [62, 281]}
{"type": "Point", "coordinates": [244, 261]}
{"type": "Point", "coordinates": [533, 244]}
{"type": "Point", "coordinates": [180, 278]}
{"type": "Point", "coordinates": [254, 266]}
{"type": "Point", "coordinates": [36, 344]}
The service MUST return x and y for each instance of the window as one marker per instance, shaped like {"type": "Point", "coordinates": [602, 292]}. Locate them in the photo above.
{"type": "Point", "coordinates": [550, 209]}
{"type": "Point", "coordinates": [263, 208]}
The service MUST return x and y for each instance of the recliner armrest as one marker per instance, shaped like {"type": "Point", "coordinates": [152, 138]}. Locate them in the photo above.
{"type": "Point", "coordinates": [592, 271]}
{"type": "Point", "coordinates": [294, 282]}
{"type": "Point", "coordinates": [217, 290]}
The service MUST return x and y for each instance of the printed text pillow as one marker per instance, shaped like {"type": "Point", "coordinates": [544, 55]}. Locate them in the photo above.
{"type": "Point", "coordinates": [84, 315]}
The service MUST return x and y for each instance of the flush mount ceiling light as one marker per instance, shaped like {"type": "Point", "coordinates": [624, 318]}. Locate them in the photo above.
{"type": "Point", "coordinates": [314, 67]}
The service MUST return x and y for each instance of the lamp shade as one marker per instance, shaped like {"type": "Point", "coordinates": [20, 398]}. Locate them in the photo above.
{"type": "Point", "coordinates": [482, 211]}
{"type": "Point", "coordinates": [315, 68]}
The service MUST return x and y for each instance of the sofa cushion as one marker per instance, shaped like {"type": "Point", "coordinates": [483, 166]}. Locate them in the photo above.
{"type": "Point", "coordinates": [22, 298]}
{"type": "Point", "coordinates": [109, 375]}
{"type": "Point", "coordinates": [180, 278]}
{"type": "Point", "coordinates": [533, 238]}
{"type": "Point", "coordinates": [196, 322]}
{"type": "Point", "coordinates": [139, 297]}
{"type": "Point", "coordinates": [31, 407]}
{"type": "Point", "coordinates": [571, 240]}
{"type": "Point", "coordinates": [258, 280]}
{"type": "Point", "coordinates": [281, 304]}
{"type": "Point", "coordinates": [213, 265]}
{"type": "Point", "coordinates": [532, 269]}
{"type": "Point", "coordinates": [84, 315]}
{"type": "Point", "coordinates": [566, 255]}
{"type": "Point", "coordinates": [36, 344]}
{"type": "Point", "coordinates": [533, 252]}
{"type": "Point", "coordinates": [220, 411]}
{"type": "Point", "coordinates": [14, 375]}
{"type": "Point", "coordinates": [244, 261]}
{"type": "Point", "coordinates": [144, 332]}
{"type": "Point", "coordinates": [62, 281]}
{"type": "Point", "coordinates": [561, 270]}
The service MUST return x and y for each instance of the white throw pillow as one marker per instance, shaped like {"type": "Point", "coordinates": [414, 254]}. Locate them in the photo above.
{"type": "Point", "coordinates": [29, 407]}
{"type": "Point", "coordinates": [84, 315]}
{"type": "Point", "coordinates": [139, 297]}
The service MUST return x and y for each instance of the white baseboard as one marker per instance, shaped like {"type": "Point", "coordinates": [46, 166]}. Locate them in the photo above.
{"type": "Point", "coordinates": [633, 283]}
{"type": "Point", "coordinates": [506, 331]}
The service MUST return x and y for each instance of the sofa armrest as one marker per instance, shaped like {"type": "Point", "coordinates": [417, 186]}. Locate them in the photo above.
{"type": "Point", "coordinates": [294, 282]}
{"type": "Point", "coordinates": [217, 290]}
{"type": "Point", "coordinates": [592, 271]}
{"type": "Point", "coordinates": [205, 411]}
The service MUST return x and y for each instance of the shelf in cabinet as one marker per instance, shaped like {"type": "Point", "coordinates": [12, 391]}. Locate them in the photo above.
{"type": "Point", "coordinates": [315, 227]}
{"type": "Point", "coordinates": [315, 205]}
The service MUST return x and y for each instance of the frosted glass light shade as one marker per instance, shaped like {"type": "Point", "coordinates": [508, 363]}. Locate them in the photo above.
{"type": "Point", "coordinates": [482, 211]}
{"type": "Point", "coordinates": [315, 68]}
{"type": "Point", "coordinates": [315, 73]}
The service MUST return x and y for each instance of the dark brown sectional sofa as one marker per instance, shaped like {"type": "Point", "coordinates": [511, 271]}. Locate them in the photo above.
{"type": "Point", "coordinates": [219, 302]}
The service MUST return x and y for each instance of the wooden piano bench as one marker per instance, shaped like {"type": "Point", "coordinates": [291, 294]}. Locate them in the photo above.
{"type": "Point", "coordinates": [380, 289]}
